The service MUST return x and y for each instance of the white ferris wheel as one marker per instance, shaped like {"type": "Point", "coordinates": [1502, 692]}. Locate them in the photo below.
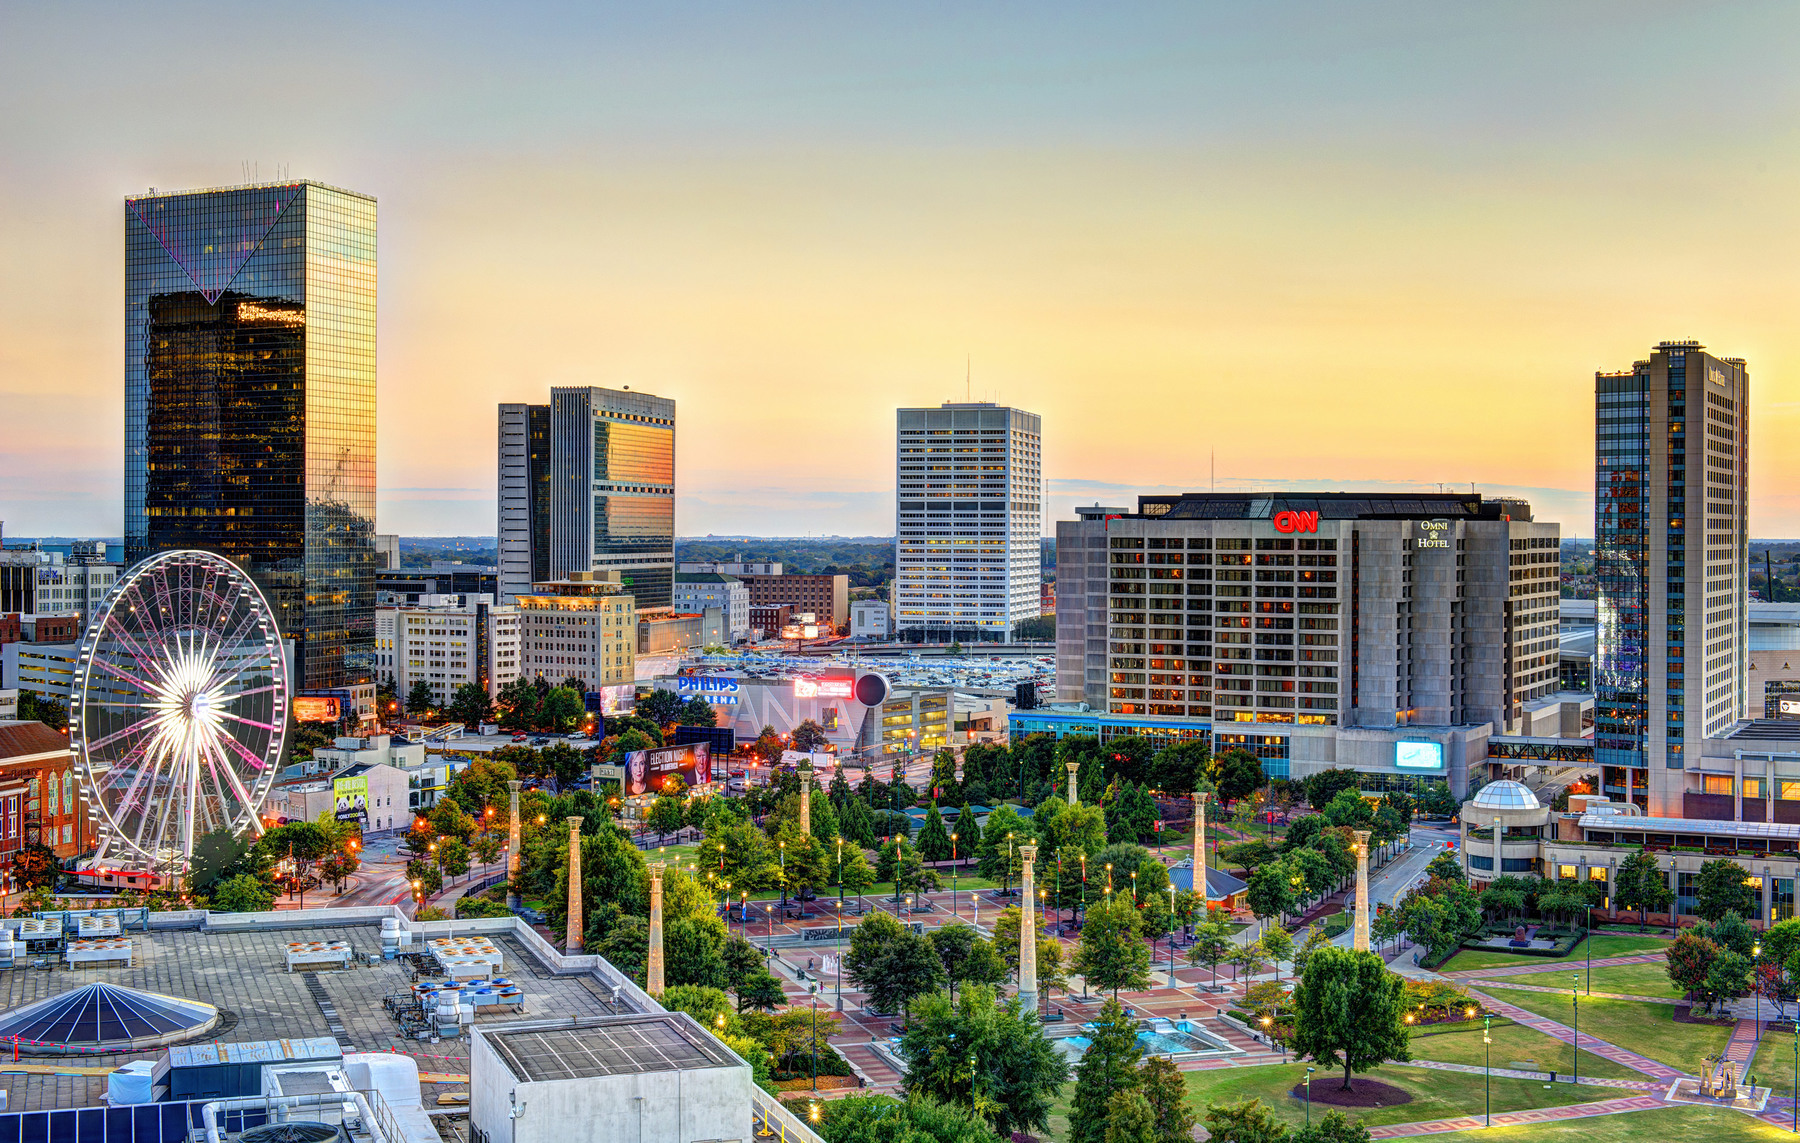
{"type": "Point", "coordinates": [178, 709]}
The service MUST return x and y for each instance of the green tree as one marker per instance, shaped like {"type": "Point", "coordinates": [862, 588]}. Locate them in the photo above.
{"type": "Point", "coordinates": [1332, 1127]}
{"type": "Point", "coordinates": [242, 894]}
{"type": "Point", "coordinates": [990, 1058]}
{"type": "Point", "coordinates": [1689, 961]}
{"type": "Point", "coordinates": [301, 844]}
{"type": "Point", "coordinates": [1445, 867]}
{"type": "Point", "coordinates": [1131, 816]}
{"type": "Point", "coordinates": [1722, 890]}
{"type": "Point", "coordinates": [1326, 784]}
{"type": "Point", "coordinates": [1236, 774]}
{"type": "Point", "coordinates": [1109, 1065]}
{"type": "Point", "coordinates": [809, 736]}
{"type": "Point", "coordinates": [760, 992]}
{"type": "Point", "coordinates": [1277, 946]}
{"type": "Point", "coordinates": [934, 839]}
{"type": "Point", "coordinates": [453, 856]}
{"type": "Point", "coordinates": [1272, 890]}
{"type": "Point", "coordinates": [693, 951]}
{"type": "Point", "coordinates": [1642, 886]}
{"type": "Point", "coordinates": [1349, 1010]}
{"type": "Point", "coordinates": [995, 857]}
{"type": "Point", "coordinates": [668, 814]}
{"type": "Point", "coordinates": [1212, 944]}
{"type": "Point", "coordinates": [1129, 1118]}
{"type": "Point", "coordinates": [418, 699]}
{"type": "Point", "coordinates": [1247, 1122]}
{"type": "Point", "coordinates": [967, 957]}
{"type": "Point", "coordinates": [918, 1119]}
{"type": "Point", "coordinates": [563, 709]}
{"type": "Point", "coordinates": [892, 964]}
{"type": "Point", "coordinates": [660, 706]}
{"type": "Point", "coordinates": [219, 855]}
{"type": "Point", "coordinates": [1350, 809]}
{"type": "Point", "coordinates": [697, 712]}
{"type": "Point", "coordinates": [1111, 953]}
{"type": "Point", "coordinates": [471, 706]}
{"type": "Point", "coordinates": [1164, 1089]}
{"type": "Point", "coordinates": [44, 709]}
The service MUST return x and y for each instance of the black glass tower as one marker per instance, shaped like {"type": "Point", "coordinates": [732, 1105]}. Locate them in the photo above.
{"type": "Point", "coordinates": [250, 402]}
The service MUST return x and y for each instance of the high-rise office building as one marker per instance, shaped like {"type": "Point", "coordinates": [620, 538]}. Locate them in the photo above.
{"type": "Point", "coordinates": [1671, 470]}
{"type": "Point", "coordinates": [250, 402]}
{"type": "Point", "coordinates": [524, 525]}
{"type": "Point", "coordinates": [969, 514]}
{"type": "Point", "coordinates": [612, 489]}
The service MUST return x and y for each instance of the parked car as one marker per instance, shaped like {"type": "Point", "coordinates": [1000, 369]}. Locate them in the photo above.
{"type": "Point", "coordinates": [540, 741]}
{"type": "Point", "coordinates": [519, 737]}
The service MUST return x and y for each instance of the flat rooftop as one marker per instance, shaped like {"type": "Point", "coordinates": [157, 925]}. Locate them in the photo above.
{"type": "Point", "coordinates": [245, 975]}
{"type": "Point", "coordinates": [608, 1046]}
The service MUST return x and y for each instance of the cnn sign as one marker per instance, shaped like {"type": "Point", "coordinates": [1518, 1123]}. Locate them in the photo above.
{"type": "Point", "coordinates": [1296, 521]}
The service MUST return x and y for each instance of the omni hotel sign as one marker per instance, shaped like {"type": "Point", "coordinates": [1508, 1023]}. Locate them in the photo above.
{"type": "Point", "coordinates": [1432, 534]}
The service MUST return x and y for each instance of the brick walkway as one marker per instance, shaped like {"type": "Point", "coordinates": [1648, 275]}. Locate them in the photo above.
{"type": "Point", "coordinates": [1563, 1032]}
{"type": "Point", "coordinates": [1742, 1045]}
{"type": "Point", "coordinates": [1550, 966]}
{"type": "Point", "coordinates": [1518, 1118]}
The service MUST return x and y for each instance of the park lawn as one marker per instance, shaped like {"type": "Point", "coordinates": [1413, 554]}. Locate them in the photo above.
{"type": "Point", "coordinates": [1436, 1094]}
{"type": "Point", "coordinates": [1647, 1029]}
{"type": "Point", "coordinates": [1663, 1125]}
{"type": "Point", "coordinates": [1630, 979]}
{"type": "Point", "coordinates": [1513, 1045]}
{"type": "Point", "coordinates": [1603, 946]}
{"type": "Point", "coordinates": [1774, 1063]}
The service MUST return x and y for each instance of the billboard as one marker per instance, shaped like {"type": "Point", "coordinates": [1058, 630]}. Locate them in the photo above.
{"type": "Point", "coordinates": [314, 708]}
{"type": "Point", "coordinates": [350, 797]}
{"type": "Point", "coordinates": [1788, 707]}
{"type": "Point", "coordinates": [1417, 755]}
{"type": "Point", "coordinates": [649, 771]}
{"type": "Point", "coordinates": [824, 686]}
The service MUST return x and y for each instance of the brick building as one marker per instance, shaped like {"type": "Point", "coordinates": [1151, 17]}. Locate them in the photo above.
{"type": "Point", "coordinates": [39, 799]}
{"type": "Point", "coordinates": [826, 596]}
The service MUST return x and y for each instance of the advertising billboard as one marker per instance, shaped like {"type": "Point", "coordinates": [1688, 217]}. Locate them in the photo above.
{"type": "Point", "coordinates": [314, 708]}
{"type": "Point", "coordinates": [350, 797]}
{"type": "Point", "coordinates": [1416, 755]}
{"type": "Point", "coordinates": [1788, 707]}
{"type": "Point", "coordinates": [649, 771]}
{"type": "Point", "coordinates": [824, 686]}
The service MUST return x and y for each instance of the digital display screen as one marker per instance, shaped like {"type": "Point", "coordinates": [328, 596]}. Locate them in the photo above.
{"type": "Point", "coordinates": [649, 771]}
{"type": "Point", "coordinates": [312, 708]}
{"type": "Point", "coordinates": [1419, 755]}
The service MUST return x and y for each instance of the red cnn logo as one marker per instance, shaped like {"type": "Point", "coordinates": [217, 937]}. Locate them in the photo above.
{"type": "Point", "coordinates": [1296, 521]}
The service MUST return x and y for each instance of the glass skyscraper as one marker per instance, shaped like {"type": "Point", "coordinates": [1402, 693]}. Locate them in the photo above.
{"type": "Point", "coordinates": [1671, 468]}
{"type": "Point", "coordinates": [612, 489]}
{"type": "Point", "coordinates": [250, 402]}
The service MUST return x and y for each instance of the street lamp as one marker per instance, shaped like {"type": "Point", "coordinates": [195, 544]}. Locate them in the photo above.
{"type": "Point", "coordinates": [1134, 888]}
{"type": "Point", "coordinates": [1487, 1047]}
{"type": "Point", "coordinates": [1756, 955]}
{"type": "Point", "coordinates": [1006, 883]}
{"type": "Point", "coordinates": [838, 960]}
{"type": "Point", "coordinates": [1309, 1075]}
{"type": "Point", "coordinates": [1575, 1002]}
{"type": "Point", "coordinates": [954, 914]}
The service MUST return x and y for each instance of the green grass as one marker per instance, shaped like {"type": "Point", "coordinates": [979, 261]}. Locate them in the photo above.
{"type": "Point", "coordinates": [1662, 1125]}
{"type": "Point", "coordinates": [1647, 1029]}
{"type": "Point", "coordinates": [1436, 1094]}
{"type": "Point", "coordinates": [1513, 1044]}
{"type": "Point", "coordinates": [1774, 1063]}
{"type": "Point", "coordinates": [1603, 946]}
{"type": "Point", "coordinates": [1630, 979]}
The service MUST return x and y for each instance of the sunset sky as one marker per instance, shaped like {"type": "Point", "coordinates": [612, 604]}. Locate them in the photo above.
{"type": "Point", "coordinates": [1343, 245]}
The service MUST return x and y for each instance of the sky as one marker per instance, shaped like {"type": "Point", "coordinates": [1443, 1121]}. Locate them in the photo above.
{"type": "Point", "coordinates": [1314, 246]}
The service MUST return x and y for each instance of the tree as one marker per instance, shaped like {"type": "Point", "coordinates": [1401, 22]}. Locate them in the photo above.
{"type": "Point", "coordinates": [1277, 946]}
{"type": "Point", "coordinates": [1729, 976]}
{"type": "Point", "coordinates": [693, 951]}
{"type": "Point", "coordinates": [910, 970]}
{"type": "Point", "coordinates": [563, 708]}
{"type": "Point", "coordinates": [1440, 922]}
{"type": "Point", "coordinates": [1332, 1127]}
{"type": "Point", "coordinates": [471, 706]}
{"type": "Point", "coordinates": [992, 1059]}
{"type": "Point", "coordinates": [219, 855]}
{"type": "Point", "coordinates": [997, 856]}
{"type": "Point", "coordinates": [453, 855]}
{"type": "Point", "coordinates": [1249, 855]}
{"type": "Point", "coordinates": [809, 736]}
{"type": "Point", "coordinates": [1212, 944]}
{"type": "Point", "coordinates": [1349, 1009]}
{"type": "Point", "coordinates": [44, 709]}
{"type": "Point", "coordinates": [1730, 932]}
{"type": "Point", "coordinates": [1642, 886]}
{"type": "Point", "coordinates": [967, 957]}
{"type": "Point", "coordinates": [1722, 890]}
{"type": "Point", "coordinates": [1165, 1090]}
{"type": "Point", "coordinates": [934, 839]}
{"type": "Point", "coordinates": [1236, 774]}
{"type": "Point", "coordinates": [697, 712]}
{"type": "Point", "coordinates": [418, 699]}
{"type": "Point", "coordinates": [1349, 808]}
{"type": "Point", "coordinates": [919, 1119]}
{"type": "Point", "coordinates": [1111, 953]}
{"type": "Point", "coordinates": [1129, 1118]}
{"type": "Point", "coordinates": [761, 991]}
{"type": "Point", "coordinates": [1326, 785]}
{"type": "Point", "coordinates": [667, 815]}
{"type": "Point", "coordinates": [1108, 1065]}
{"type": "Point", "coordinates": [1438, 801]}
{"type": "Point", "coordinates": [660, 706]}
{"type": "Point", "coordinates": [1272, 891]}
{"type": "Point", "coordinates": [302, 843]}
{"type": "Point", "coordinates": [1690, 960]}
{"type": "Point", "coordinates": [1247, 1122]}
{"type": "Point", "coordinates": [1445, 867]}
{"type": "Point", "coordinates": [242, 894]}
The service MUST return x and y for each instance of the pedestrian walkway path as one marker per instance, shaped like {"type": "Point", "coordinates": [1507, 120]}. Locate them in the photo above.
{"type": "Point", "coordinates": [1515, 1073]}
{"type": "Point", "coordinates": [1550, 965]}
{"type": "Point", "coordinates": [874, 1067]}
{"type": "Point", "coordinates": [1518, 1118]}
{"type": "Point", "coordinates": [1584, 995]}
{"type": "Point", "coordinates": [1644, 1064]}
{"type": "Point", "coordinates": [1741, 1048]}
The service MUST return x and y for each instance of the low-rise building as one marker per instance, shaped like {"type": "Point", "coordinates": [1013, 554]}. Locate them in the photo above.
{"type": "Point", "coordinates": [447, 641]}
{"type": "Point", "coordinates": [583, 627]}
{"type": "Point", "coordinates": [39, 582]}
{"type": "Point", "coordinates": [767, 622]}
{"type": "Point", "coordinates": [40, 800]}
{"type": "Point", "coordinates": [826, 596]}
{"type": "Point", "coordinates": [697, 591]}
{"type": "Point", "coordinates": [385, 791]}
{"type": "Point", "coordinates": [733, 567]}
{"type": "Point", "coordinates": [46, 669]}
{"type": "Point", "coordinates": [672, 632]}
{"type": "Point", "coordinates": [869, 619]}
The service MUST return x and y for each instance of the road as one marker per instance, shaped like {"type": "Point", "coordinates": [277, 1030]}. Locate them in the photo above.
{"type": "Point", "coordinates": [1394, 880]}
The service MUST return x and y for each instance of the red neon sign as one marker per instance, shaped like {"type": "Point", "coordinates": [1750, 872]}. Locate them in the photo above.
{"type": "Point", "coordinates": [1296, 521]}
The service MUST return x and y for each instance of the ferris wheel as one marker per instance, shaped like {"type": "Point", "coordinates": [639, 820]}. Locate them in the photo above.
{"type": "Point", "coordinates": [178, 709]}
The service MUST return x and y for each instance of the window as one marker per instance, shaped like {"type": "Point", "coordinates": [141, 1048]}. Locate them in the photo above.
{"type": "Point", "coordinates": [1781, 898]}
{"type": "Point", "coordinates": [1788, 791]}
{"type": "Point", "coordinates": [1716, 784]}
{"type": "Point", "coordinates": [1753, 787]}
{"type": "Point", "coordinates": [1687, 892]}
{"type": "Point", "coordinates": [1563, 872]}
{"type": "Point", "coordinates": [1475, 861]}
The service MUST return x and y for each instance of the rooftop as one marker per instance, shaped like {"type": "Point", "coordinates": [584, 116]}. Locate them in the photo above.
{"type": "Point", "coordinates": [607, 1046]}
{"type": "Point", "coordinates": [1330, 506]}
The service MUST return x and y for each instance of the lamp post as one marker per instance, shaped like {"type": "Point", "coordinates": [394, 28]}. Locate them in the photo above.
{"type": "Point", "coordinates": [813, 995]}
{"type": "Point", "coordinates": [1006, 883]}
{"type": "Point", "coordinates": [1487, 1047]}
{"type": "Point", "coordinates": [838, 960]}
{"type": "Point", "coordinates": [1134, 899]}
{"type": "Point", "coordinates": [1756, 955]}
{"type": "Point", "coordinates": [782, 853]}
{"type": "Point", "coordinates": [1575, 1001]}
{"type": "Point", "coordinates": [769, 952]}
{"type": "Point", "coordinates": [1309, 1074]}
{"type": "Point", "coordinates": [840, 849]}
{"type": "Point", "coordinates": [1588, 940]}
